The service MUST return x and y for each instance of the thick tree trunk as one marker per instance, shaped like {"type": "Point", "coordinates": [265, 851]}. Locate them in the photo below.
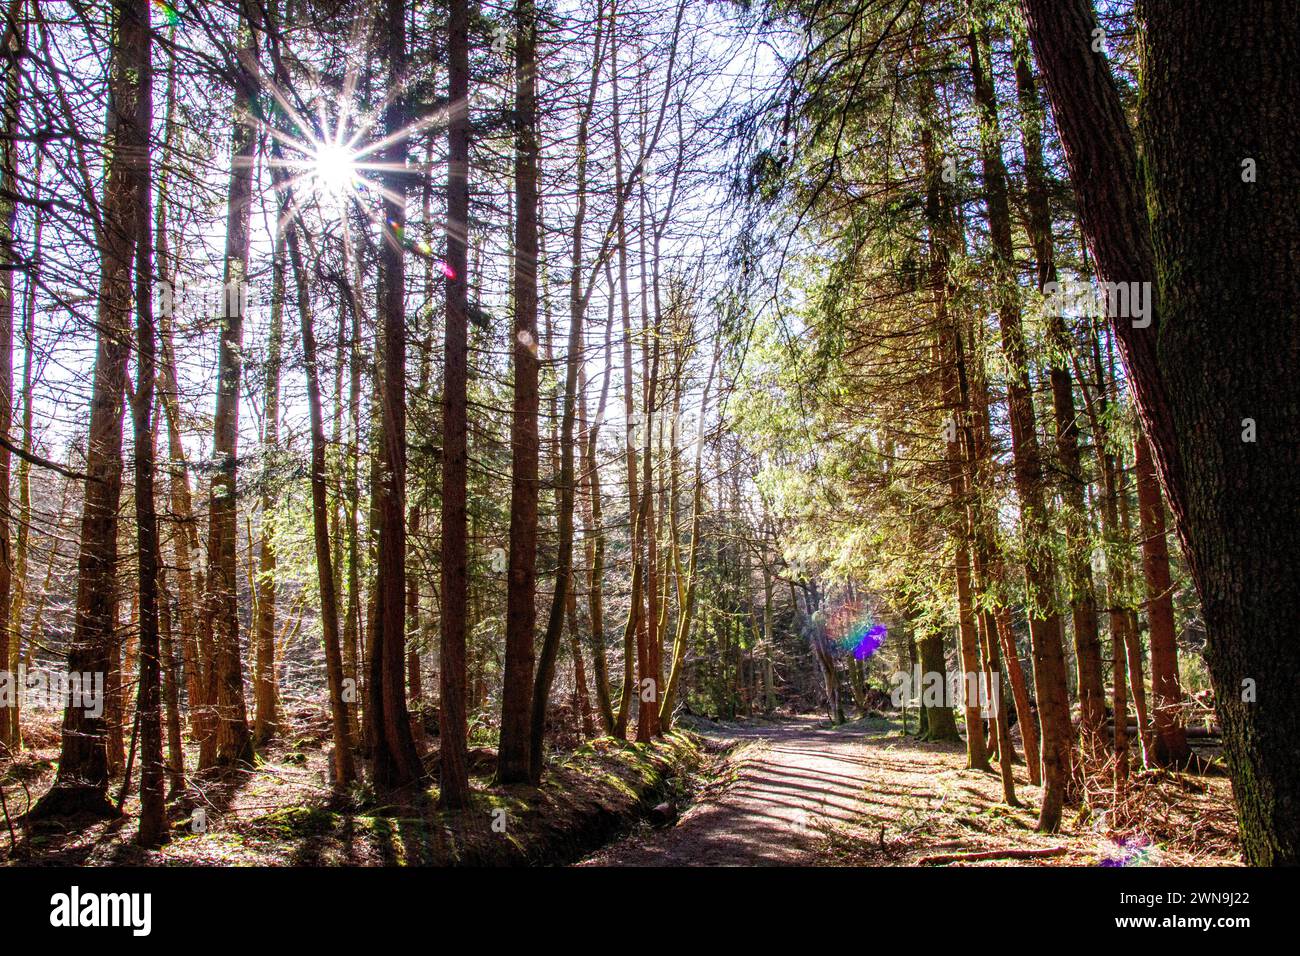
{"type": "Point", "coordinates": [1213, 78]}
{"type": "Point", "coordinates": [513, 761]}
{"type": "Point", "coordinates": [454, 780]}
{"type": "Point", "coordinates": [81, 785]}
{"type": "Point", "coordinates": [396, 762]}
{"type": "Point", "coordinates": [1218, 86]}
{"type": "Point", "coordinates": [940, 720]}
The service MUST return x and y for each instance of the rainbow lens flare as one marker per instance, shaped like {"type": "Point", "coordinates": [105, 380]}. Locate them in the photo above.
{"type": "Point", "coordinates": [851, 629]}
{"type": "Point", "coordinates": [169, 13]}
{"type": "Point", "coordinates": [870, 641]}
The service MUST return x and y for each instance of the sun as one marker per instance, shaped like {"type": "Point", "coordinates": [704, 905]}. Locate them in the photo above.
{"type": "Point", "coordinates": [334, 169]}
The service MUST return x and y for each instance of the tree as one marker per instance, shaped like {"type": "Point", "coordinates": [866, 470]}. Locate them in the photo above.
{"type": "Point", "coordinates": [153, 813]}
{"type": "Point", "coordinates": [81, 785]}
{"type": "Point", "coordinates": [8, 208]}
{"type": "Point", "coordinates": [1195, 205]}
{"type": "Point", "coordinates": [1044, 622]}
{"type": "Point", "coordinates": [567, 492]}
{"type": "Point", "coordinates": [266, 720]}
{"type": "Point", "coordinates": [396, 762]}
{"type": "Point", "coordinates": [1170, 736]}
{"type": "Point", "coordinates": [1070, 477]}
{"type": "Point", "coordinates": [232, 742]}
{"type": "Point", "coordinates": [513, 758]}
{"type": "Point", "coordinates": [454, 783]}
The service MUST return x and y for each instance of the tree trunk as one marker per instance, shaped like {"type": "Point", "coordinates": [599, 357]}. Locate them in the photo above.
{"type": "Point", "coordinates": [352, 636]}
{"type": "Point", "coordinates": [454, 781]}
{"type": "Point", "coordinates": [170, 689]}
{"type": "Point", "coordinates": [1211, 78]}
{"type": "Point", "coordinates": [595, 535]}
{"type": "Point", "coordinates": [1170, 744]}
{"type": "Point", "coordinates": [514, 754]}
{"type": "Point", "coordinates": [396, 762]}
{"type": "Point", "coordinates": [648, 653]}
{"type": "Point", "coordinates": [184, 539]}
{"type": "Point", "coordinates": [266, 721]}
{"type": "Point", "coordinates": [686, 612]}
{"type": "Point", "coordinates": [1214, 81]}
{"type": "Point", "coordinates": [948, 351]}
{"type": "Point", "coordinates": [234, 743]}
{"type": "Point", "coordinates": [1070, 477]}
{"type": "Point", "coordinates": [8, 208]}
{"type": "Point", "coordinates": [81, 785]}
{"type": "Point", "coordinates": [940, 721]}
{"type": "Point", "coordinates": [563, 596]}
{"type": "Point", "coordinates": [1132, 638]}
{"type": "Point", "coordinates": [23, 549]}
{"type": "Point", "coordinates": [1044, 623]}
{"type": "Point", "coordinates": [343, 768]}
{"type": "Point", "coordinates": [634, 615]}
{"type": "Point", "coordinates": [153, 813]}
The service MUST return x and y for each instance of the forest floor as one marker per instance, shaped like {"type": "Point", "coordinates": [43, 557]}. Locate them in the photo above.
{"type": "Point", "coordinates": [799, 792]}
{"type": "Point", "coordinates": [283, 812]}
{"type": "Point", "coordinates": [794, 791]}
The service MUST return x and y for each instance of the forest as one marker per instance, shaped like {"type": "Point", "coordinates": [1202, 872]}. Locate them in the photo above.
{"type": "Point", "coordinates": [649, 432]}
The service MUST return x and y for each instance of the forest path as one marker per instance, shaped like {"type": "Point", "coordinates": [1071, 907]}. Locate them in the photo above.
{"type": "Point", "coordinates": [800, 792]}
{"type": "Point", "coordinates": [776, 798]}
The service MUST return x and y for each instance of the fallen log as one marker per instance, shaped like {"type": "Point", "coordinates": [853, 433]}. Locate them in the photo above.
{"type": "Point", "coordinates": [1008, 854]}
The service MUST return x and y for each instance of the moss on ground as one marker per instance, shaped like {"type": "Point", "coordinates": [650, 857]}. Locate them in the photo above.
{"type": "Point", "coordinates": [588, 797]}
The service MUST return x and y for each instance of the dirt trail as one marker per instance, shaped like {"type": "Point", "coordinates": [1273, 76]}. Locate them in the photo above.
{"type": "Point", "coordinates": [789, 782]}
{"type": "Point", "coordinates": [802, 793]}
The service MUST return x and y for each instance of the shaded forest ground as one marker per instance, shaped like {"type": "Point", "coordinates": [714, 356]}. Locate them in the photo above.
{"type": "Point", "coordinates": [800, 792]}
{"type": "Point", "coordinates": [283, 813]}
{"type": "Point", "coordinates": [785, 792]}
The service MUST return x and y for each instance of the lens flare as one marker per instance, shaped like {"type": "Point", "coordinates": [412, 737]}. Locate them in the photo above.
{"type": "Point", "coordinates": [169, 13]}
{"type": "Point", "coordinates": [851, 630]}
{"type": "Point", "coordinates": [870, 642]}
